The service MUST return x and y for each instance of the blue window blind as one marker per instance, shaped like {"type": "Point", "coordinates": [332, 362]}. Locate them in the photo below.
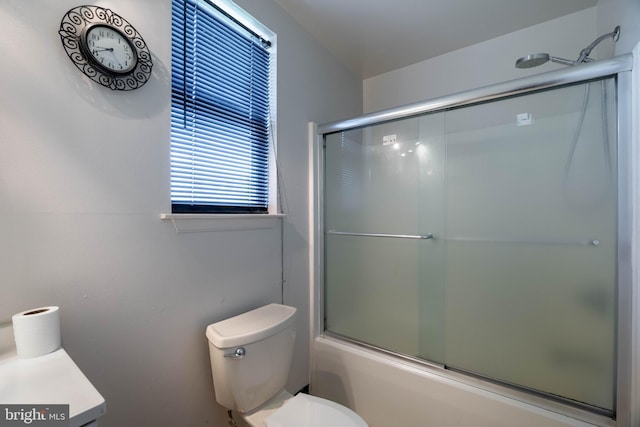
{"type": "Point", "coordinates": [219, 113]}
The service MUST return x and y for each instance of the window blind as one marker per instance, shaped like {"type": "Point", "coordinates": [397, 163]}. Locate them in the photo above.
{"type": "Point", "coordinates": [219, 113]}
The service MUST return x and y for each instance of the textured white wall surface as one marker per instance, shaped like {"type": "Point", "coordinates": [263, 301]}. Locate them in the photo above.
{"type": "Point", "coordinates": [481, 64]}
{"type": "Point", "coordinates": [493, 61]}
{"type": "Point", "coordinates": [84, 177]}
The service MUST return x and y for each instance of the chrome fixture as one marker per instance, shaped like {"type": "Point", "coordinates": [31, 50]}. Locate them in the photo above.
{"type": "Point", "coordinates": [239, 353]}
{"type": "Point", "coordinates": [536, 59]}
{"type": "Point", "coordinates": [392, 236]}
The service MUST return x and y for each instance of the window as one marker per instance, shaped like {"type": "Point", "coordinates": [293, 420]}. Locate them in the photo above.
{"type": "Point", "coordinates": [221, 63]}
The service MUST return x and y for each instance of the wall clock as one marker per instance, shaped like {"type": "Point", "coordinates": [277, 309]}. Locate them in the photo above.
{"type": "Point", "coordinates": [105, 47]}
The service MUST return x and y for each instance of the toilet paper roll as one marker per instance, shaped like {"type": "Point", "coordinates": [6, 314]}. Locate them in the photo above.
{"type": "Point", "coordinates": [37, 331]}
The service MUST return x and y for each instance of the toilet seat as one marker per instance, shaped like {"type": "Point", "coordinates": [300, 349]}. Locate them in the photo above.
{"type": "Point", "coordinates": [305, 410]}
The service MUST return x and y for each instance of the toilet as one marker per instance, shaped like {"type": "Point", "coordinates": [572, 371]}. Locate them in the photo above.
{"type": "Point", "coordinates": [250, 360]}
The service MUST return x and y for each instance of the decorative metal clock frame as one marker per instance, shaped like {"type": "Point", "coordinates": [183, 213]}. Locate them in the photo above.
{"type": "Point", "coordinates": [75, 25]}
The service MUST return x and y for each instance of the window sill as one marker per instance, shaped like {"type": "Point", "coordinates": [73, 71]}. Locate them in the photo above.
{"type": "Point", "coordinates": [200, 223]}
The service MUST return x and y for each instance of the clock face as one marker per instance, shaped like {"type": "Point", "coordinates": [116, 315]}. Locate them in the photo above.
{"type": "Point", "coordinates": [109, 49]}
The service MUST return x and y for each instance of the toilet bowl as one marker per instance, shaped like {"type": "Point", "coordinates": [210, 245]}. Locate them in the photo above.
{"type": "Point", "coordinates": [302, 410]}
{"type": "Point", "coordinates": [250, 360]}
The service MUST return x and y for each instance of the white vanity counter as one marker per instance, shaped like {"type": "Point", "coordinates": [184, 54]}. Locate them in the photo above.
{"type": "Point", "coordinates": [50, 379]}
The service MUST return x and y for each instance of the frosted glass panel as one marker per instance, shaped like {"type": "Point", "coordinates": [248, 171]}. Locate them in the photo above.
{"type": "Point", "coordinates": [518, 282]}
{"type": "Point", "coordinates": [386, 290]}
{"type": "Point", "coordinates": [531, 241]}
{"type": "Point", "coordinates": [372, 291]}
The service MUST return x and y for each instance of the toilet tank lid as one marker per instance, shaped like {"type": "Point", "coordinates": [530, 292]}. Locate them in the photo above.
{"type": "Point", "coordinates": [252, 326]}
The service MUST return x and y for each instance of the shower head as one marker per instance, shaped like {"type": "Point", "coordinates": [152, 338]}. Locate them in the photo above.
{"type": "Point", "coordinates": [532, 60]}
{"type": "Point", "coordinates": [536, 59]}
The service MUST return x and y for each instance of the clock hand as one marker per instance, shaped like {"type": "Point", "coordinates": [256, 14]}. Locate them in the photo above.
{"type": "Point", "coordinates": [102, 49]}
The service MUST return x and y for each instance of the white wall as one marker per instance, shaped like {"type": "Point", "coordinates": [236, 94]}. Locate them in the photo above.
{"type": "Point", "coordinates": [84, 175]}
{"type": "Point", "coordinates": [482, 64]}
{"type": "Point", "coordinates": [624, 13]}
{"type": "Point", "coordinates": [311, 88]}
{"type": "Point", "coordinates": [493, 61]}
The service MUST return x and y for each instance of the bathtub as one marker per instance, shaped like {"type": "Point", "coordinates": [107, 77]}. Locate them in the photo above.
{"type": "Point", "coordinates": [392, 392]}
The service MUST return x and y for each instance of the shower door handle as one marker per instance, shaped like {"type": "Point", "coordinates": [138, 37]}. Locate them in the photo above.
{"type": "Point", "coordinates": [392, 236]}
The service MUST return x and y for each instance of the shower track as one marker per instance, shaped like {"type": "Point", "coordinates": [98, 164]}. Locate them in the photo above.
{"type": "Point", "coordinates": [566, 76]}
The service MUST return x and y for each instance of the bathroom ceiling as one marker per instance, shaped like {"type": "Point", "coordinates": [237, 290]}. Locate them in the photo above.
{"type": "Point", "coordinates": [375, 36]}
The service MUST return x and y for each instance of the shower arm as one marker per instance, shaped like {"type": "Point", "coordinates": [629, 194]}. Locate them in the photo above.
{"type": "Point", "coordinates": [615, 35]}
{"type": "Point", "coordinates": [561, 60]}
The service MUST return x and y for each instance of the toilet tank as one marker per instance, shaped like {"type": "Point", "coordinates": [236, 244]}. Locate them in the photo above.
{"type": "Point", "coordinates": [245, 379]}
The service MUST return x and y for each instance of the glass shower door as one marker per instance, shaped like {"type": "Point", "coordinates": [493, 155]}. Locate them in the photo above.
{"type": "Point", "coordinates": [531, 241]}
{"type": "Point", "coordinates": [383, 218]}
{"type": "Point", "coordinates": [483, 239]}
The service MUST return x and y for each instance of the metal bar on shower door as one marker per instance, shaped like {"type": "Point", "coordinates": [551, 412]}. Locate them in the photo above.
{"type": "Point", "coordinates": [392, 236]}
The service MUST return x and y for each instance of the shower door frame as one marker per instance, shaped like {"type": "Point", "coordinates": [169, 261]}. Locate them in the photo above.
{"type": "Point", "coordinates": [627, 411]}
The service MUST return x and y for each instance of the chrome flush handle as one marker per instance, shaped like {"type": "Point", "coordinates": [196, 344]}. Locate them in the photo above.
{"type": "Point", "coordinates": [239, 353]}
